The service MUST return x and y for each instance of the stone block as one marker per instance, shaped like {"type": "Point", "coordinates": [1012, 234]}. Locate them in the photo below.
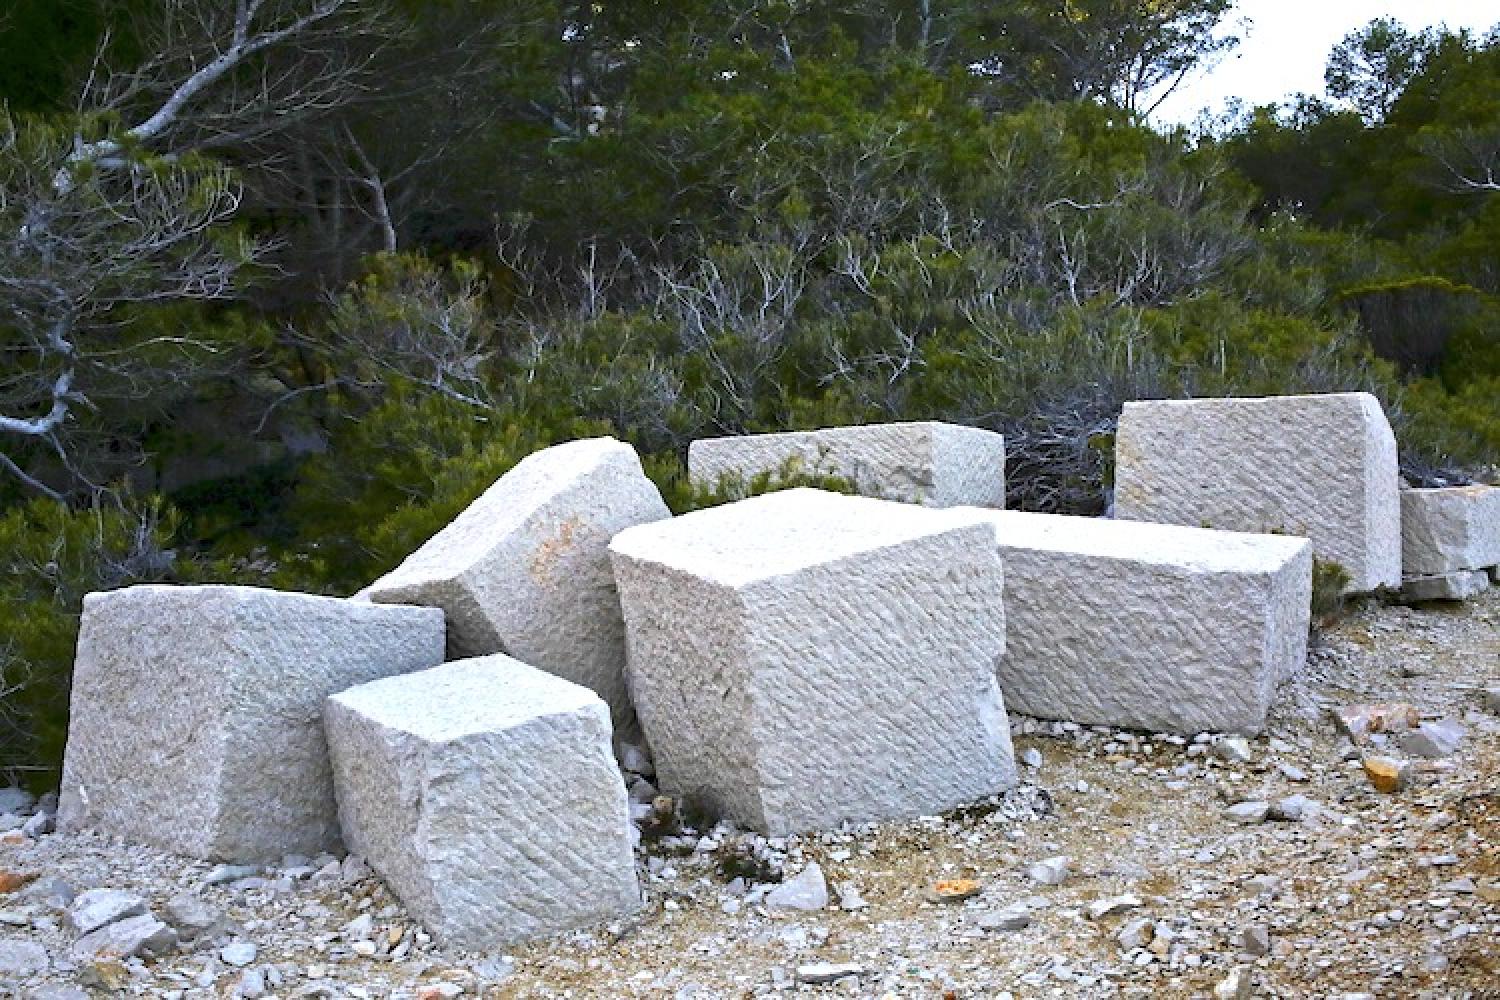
{"type": "Point", "coordinates": [1451, 529]}
{"type": "Point", "coordinates": [1321, 467]}
{"type": "Point", "coordinates": [485, 793]}
{"type": "Point", "coordinates": [930, 463]}
{"type": "Point", "coordinates": [1148, 626]}
{"type": "Point", "coordinates": [196, 723]}
{"type": "Point", "coordinates": [525, 569]}
{"type": "Point", "coordinates": [1458, 586]}
{"type": "Point", "coordinates": [803, 658]}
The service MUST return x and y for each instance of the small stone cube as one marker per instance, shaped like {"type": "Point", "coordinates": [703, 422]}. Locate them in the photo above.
{"type": "Point", "coordinates": [485, 793]}
{"type": "Point", "coordinates": [1451, 529]}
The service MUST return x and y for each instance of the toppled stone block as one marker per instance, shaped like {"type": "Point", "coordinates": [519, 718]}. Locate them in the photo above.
{"type": "Point", "coordinates": [1322, 467]}
{"type": "Point", "coordinates": [930, 463]}
{"type": "Point", "coordinates": [485, 793]}
{"type": "Point", "coordinates": [1148, 626]}
{"type": "Point", "coordinates": [1458, 586]}
{"type": "Point", "coordinates": [196, 722]}
{"type": "Point", "coordinates": [803, 658]}
{"type": "Point", "coordinates": [525, 569]}
{"type": "Point", "coordinates": [1450, 529]}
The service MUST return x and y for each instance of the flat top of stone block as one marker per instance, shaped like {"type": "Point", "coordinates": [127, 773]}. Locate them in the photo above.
{"type": "Point", "coordinates": [1204, 549]}
{"type": "Point", "coordinates": [1456, 492]}
{"type": "Point", "coordinates": [461, 698]}
{"type": "Point", "coordinates": [1361, 399]}
{"type": "Point", "coordinates": [505, 506]}
{"type": "Point", "coordinates": [779, 533]}
{"type": "Point", "coordinates": [912, 426]}
{"type": "Point", "coordinates": [214, 596]}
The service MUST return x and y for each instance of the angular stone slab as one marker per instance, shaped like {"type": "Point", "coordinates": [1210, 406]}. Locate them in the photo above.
{"type": "Point", "coordinates": [1450, 529]}
{"type": "Point", "coordinates": [1459, 586]}
{"type": "Point", "coordinates": [485, 793]}
{"type": "Point", "coordinates": [1149, 626]}
{"type": "Point", "coordinates": [930, 463]}
{"type": "Point", "coordinates": [1321, 467]}
{"type": "Point", "coordinates": [804, 658]}
{"type": "Point", "coordinates": [196, 722]}
{"type": "Point", "coordinates": [525, 569]}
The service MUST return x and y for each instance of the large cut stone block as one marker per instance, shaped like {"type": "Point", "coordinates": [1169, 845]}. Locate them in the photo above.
{"type": "Point", "coordinates": [1447, 530]}
{"type": "Point", "coordinates": [525, 569]}
{"type": "Point", "coordinates": [485, 793]}
{"type": "Point", "coordinates": [936, 464]}
{"type": "Point", "coordinates": [196, 720]}
{"type": "Point", "coordinates": [1322, 467]}
{"type": "Point", "coordinates": [1149, 626]}
{"type": "Point", "coordinates": [804, 658]}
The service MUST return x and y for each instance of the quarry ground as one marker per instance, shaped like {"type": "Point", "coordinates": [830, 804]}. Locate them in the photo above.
{"type": "Point", "coordinates": [1385, 895]}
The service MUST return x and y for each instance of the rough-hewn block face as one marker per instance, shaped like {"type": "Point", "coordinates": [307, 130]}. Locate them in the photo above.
{"type": "Point", "coordinates": [1446, 530]}
{"type": "Point", "coordinates": [486, 794]}
{"type": "Point", "coordinates": [1321, 467]}
{"type": "Point", "coordinates": [1457, 586]}
{"type": "Point", "coordinates": [803, 658]}
{"type": "Point", "coordinates": [196, 713]}
{"type": "Point", "coordinates": [525, 569]}
{"type": "Point", "coordinates": [930, 463]}
{"type": "Point", "coordinates": [1149, 626]}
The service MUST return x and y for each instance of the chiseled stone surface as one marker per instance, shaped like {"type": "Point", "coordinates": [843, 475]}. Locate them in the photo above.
{"type": "Point", "coordinates": [485, 793]}
{"type": "Point", "coordinates": [196, 713]}
{"type": "Point", "coordinates": [1459, 586]}
{"type": "Point", "coordinates": [1321, 467]}
{"type": "Point", "coordinates": [525, 569]}
{"type": "Point", "coordinates": [1450, 529]}
{"type": "Point", "coordinates": [804, 658]}
{"type": "Point", "coordinates": [931, 463]}
{"type": "Point", "coordinates": [1148, 626]}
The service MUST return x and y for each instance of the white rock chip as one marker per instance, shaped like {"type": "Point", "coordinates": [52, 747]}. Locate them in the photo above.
{"type": "Point", "coordinates": [1450, 529]}
{"type": "Point", "coordinates": [1049, 871]}
{"type": "Point", "coordinates": [1459, 586]}
{"type": "Point", "coordinates": [138, 935]}
{"type": "Point", "coordinates": [196, 713]}
{"type": "Point", "coordinates": [802, 658]}
{"type": "Point", "coordinates": [97, 907]}
{"type": "Point", "coordinates": [524, 570]}
{"type": "Point", "coordinates": [485, 793]}
{"type": "Point", "coordinates": [808, 890]}
{"type": "Point", "coordinates": [936, 464]}
{"type": "Point", "coordinates": [20, 959]}
{"type": "Point", "coordinates": [1148, 626]}
{"type": "Point", "coordinates": [1322, 467]}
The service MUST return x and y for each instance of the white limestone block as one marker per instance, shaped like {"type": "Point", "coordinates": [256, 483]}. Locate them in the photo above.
{"type": "Point", "coordinates": [485, 793]}
{"type": "Point", "coordinates": [525, 569]}
{"type": "Point", "coordinates": [196, 714]}
{"type": "Point", "coordinates": [1451, 529]}
{"type": "Point", "coordinates": [1149, 626]}
{"type": "Point", "coordinates": [1321, 467]}
{"type": "Point", "coordinates": [803, 658]}
{"type": "Point", "coordinates": [1458, 586]}
{"type": "Point", "coordinates": [930, 463]}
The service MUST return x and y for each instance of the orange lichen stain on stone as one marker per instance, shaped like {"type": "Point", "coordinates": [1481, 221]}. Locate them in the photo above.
{"type": "Point", "coordinates": [549, 552]}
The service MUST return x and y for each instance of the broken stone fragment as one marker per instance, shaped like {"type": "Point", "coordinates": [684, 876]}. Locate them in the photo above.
{"type": "Point", "coordinates": [1433, 740]}
{"type": "Point", "coordinates": [1360, 721]}
{"type": "Point", "coordinates": [1387, 774]}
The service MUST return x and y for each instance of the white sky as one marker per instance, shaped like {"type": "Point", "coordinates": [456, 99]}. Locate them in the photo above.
{"type": "Point", "coordinates": [1286, 43]}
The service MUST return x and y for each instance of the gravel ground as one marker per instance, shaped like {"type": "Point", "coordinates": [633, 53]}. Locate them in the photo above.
{"type": "Point", "coordinates": [1168, 891]}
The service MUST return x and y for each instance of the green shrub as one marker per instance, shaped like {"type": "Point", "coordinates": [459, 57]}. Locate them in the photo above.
{"type": "Point", "coordinates": [50, 557]}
